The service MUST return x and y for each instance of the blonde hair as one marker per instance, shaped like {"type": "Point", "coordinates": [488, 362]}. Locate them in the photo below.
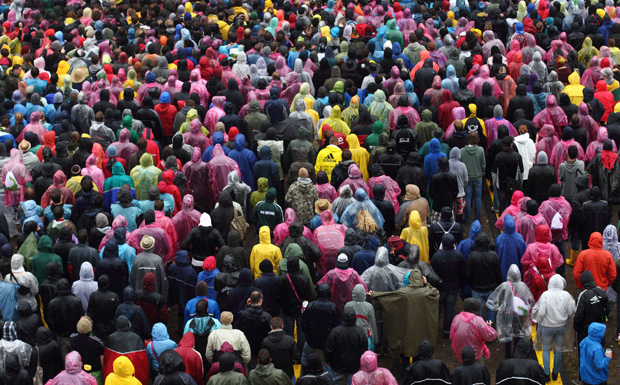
{"type": "Point", "coordinates": [365, 222]}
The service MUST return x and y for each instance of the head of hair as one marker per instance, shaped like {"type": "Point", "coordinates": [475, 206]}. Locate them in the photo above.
{"type": "Point", "coordinates": [202, 308]}
{"type": "Point", "coordinates": [276, 323]}
{"type": "Point", "coordinates": [347, 155]}
{"type": "Point", "coordinates": [82, 236]}
{"type": "Point", "coordinates": [59, 212]}
{"type": "Point", "coordinates": [473, 138]}
{"type": "Point", "coordinates": [264, 357]}
{"type": "Point", "coordinates": [572, 152]}
{"type": "Point", "coordinates": [256, 297]}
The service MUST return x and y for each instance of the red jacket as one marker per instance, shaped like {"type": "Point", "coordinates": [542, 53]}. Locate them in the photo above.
{"type": "Point", "coordinates": [191, 358]}
{"type": "Point", "coordinates": [542, 273]}
{"type": "Point", "coordinates": [598, 261]}
{"type": "Point", "coordinates": [166, 112]}
{"type": "Point", "coordinates": [167, 186]}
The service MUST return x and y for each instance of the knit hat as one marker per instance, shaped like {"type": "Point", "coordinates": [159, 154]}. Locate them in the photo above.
{"type": "Point", "coordinates": [112, 151]}
{"type": "Point", "coordinates": [147, 243]}
{"type": "Point", "coordinates": [342, 262]}
{"type": "Point", "coordinates": [265, 266]}
{"type": "Point", "coordinates": [84, 325]}
{"type": "Point", "coordinates": [209, 263]}
{"type": "Point", "coordinates": [303, 173]}
{"type": "Point", "coordinates": [101, 220]}
{"type": "Point", "coordinates": [58, 98]}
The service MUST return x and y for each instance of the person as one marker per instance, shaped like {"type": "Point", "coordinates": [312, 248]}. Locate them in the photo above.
{"type": "Point", "coordinates": [540, 178]}
{"type": "Point", "coordinates": [253, 321]}
{"type": "Point", "coordinates": [509, 246]}
{"type": "Point", "coordinates": [365, 315]}
{"type": "Point", "coordinates": [281, 347]}
{"type": "Point", "coordinates": [344, 347]}
{"type": "Point", "coordinates": [14, 372]}
{"type": "Point", "coordinates": [445, 224]}
{"type": "Point", "coordinates": [470, 371]}
{"type": "Point", "coordinates": [483, 272]}
{"type": "Point", "coordinates": [473, 157]}
{"type": "Point", "coordinates": [316, 373]}
{"type": "Point", "coordinates": [226, 333]}
{"type": "Point", "coordinates": [155, 349]}
{"type": "Point", "coordinates": [89, 347]}
{"type": "Point", "coordinates": [192, 359]}
{"type": "Point", "coordinates": [521, 367]}
{"type": "Point", "coordinates": [73, 373]}
{"type": "Point", "coordinates": [123, 373]}
{"type": "Point", "coordinates": [172, 369]}
{"type": "Point", "coordinates": [508, 166]}
{"type": "Point", "coordinates": [65, 312]}
{"type": "Point", "coordinates": [470, 330]}
{"type": "Point", "coordinates": [427, 370]}
{"type": "Point", "coordinates": [265, 372]}
{"type": "Point", "coordinates": [318, 320]}
{"type": "Point", "coordinates": [370, 374]}
{"type": "Point", "coordinates": [598, 261]}
{"type": "Point", "coordinates": [341, 279]}
{"type": "Point", "coordinates": [594, 216]}
{"type": "Point", "coordinates": [552, 311]}
{"type": "Point", "coordinates": [592, 306]}
{"type": "Point", "coordinates": [594, 361]}
{"type": "Point", "coordinates": [201, 326]}
{"type": "Point", "coordinates": [541, 248]}
{"type": "Point", "coordinates": [227, 376]}
{"type": "Point", "coordinates": [264, 250]}
{"type": "Point", "coordinates": [102, 306]}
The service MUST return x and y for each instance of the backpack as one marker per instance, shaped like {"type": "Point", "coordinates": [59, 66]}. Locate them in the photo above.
{"type": "Point", "coordinates": [239, 224]}
{"type": "Point", "coordinates": [10, 183]}
{"type": "Point", "coordinates": [444, 233]}
{"type": "Point", "coordinates": [557, 222]}
{"type": "Point", "coordinates": [519, 307]}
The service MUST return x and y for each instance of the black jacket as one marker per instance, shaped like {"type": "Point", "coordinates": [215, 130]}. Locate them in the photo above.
{"type": "Point", "coordinates": [13, 373]}
{"type": "Point", "coordinates": [391, 161]}
{"type": "Point", "coordinates": [283, 350]}
{"type": "Point", "coordinates": [124, 340]}
{"type": "Point", "coordinates": [448, 263]}
{"type": "Point", "coordinates": [592, 305]}
{"type": "Point", "coordinates": [486, 102]}
{"type": "Point", "coordinates": [470, 372]}
{"type": "Point", "coordinates": [482, 269]}
{"type": "Point", "coordinates": [48, 353]}
{"type": "Point", "coordinates": [253, 321]}
{"type": "Point", "coordinates": [268, 283]}
{"type": "Point", "coordinates": [443, 187]}
{"type": "Point", "coordinates": [172, 370]}
{"type": "Point", "coordinates": [520, 102]}
{"type": "Point", "coordinates": [427, 370]}
{"type": "Point", "coordinates": [102, 306]}
{"type": "Point", "coordinates": [311, 251]}
{"type": "Point", "coordinates": [115, 268]}
{"type": "Point", "coordinates": [290, 299]}
{"type": "Point", "coordinates": [385, 207]}
{"type": "Point", "coordinates": [28, 323]}
{"type": "Point", "coordinates": [340, 173]}
{"type": "Point", "coordinates": [540, 178]}
{"type": "Point", "coordinates": [65, 311]}
{"type": "Point", "coordinates": [506, 164]}
{"type": "Point", "coordinates": [221, 218]}
{"type": "Point", "coordinates": [204, 242]}
{"type": "Point", "coordinates": [48, 289]}
{"type": "Point", "coordinates": [594, 215]}
{"type": "Point", "coordinates": [320, 317]}
{"type": "Point", "coordinates": [237, 297]}
{"type": "Point", "coordinates": [345, 345]}
{"type": "Point", "coordinates": [444, 226]}
{"type": "Point", "coordinates": [424, 78]}
{"type": "Point", "coordinates": [412, 173]}
{"type": "Point", "coordinates": [520, 370]}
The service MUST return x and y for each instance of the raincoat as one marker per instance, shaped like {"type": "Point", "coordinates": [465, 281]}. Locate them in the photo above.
{"type": "Point", "coordinates": [73, 373]}
{"type": "Point", "coordinates": [342, 282]}
{"type": "Point", "coordinates": [371, 374]}
{"type": "Point", "coordinates": [186, 219]}
{"type": "Point", "coordinates": [60, 181]}
{"type": "Point", "coordinates": [123, 373]}
{"type": "Point", "coordinates": [470, 330]}
{"type": "Point", "coordinates": [245, 159]}
{"type": "Point", "coordinates": [94, 172]}
{"type": "Point", "coordinates": [124, 147]}
{"type": "Point", "coordinates": [541, 248]}
{"type": "Point", "coordinates": [281, 231]}
{"type": "Point", "coordinates": [113, 184]}
{"type": "Point", "coordinates": [356, 180]}
{"type": "Point", "coordinates": [547, 140]}
{"type": "Point", "coordinates": [219, 167]}
{"type": "Point", "coordinates": [16, 166]}
{"type": "Point", "coordinates": [329, 237]}
{"type": "Point", "coordinates": [553, 115]}
{"type": "Point", "coordinates": [86, 285]}
{"type": "Point", "coordinates": [381, 109]}
{"type": "Point", "coordinates": [362, 202]}
{"type": "Point", "coordinates": [484, 77]}
{"type": "Point", "coordinates": [383, 276]}
{"type": "Point", "coordinates": [508, 324]}
{"type": "Point", "coordinates": [144, 176]}
{"type": "Point", "coordinates": [417, 235]}
{"type": "Point", "coordinates": [358, 154]}
{"type": "Point", "coordinates": [509, 246]}
{"type": "Point", "coordinates": [410, 314]}
{"type": "Point", "coordinates": [574, 89]}
{"type": "Point", "coordinates": [264, 250]}
{"type": "Point", "coordinates": [392, 190]}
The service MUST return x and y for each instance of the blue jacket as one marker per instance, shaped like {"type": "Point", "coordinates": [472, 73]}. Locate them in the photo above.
{"type": "Point", "coordinates": [244, 158]}
{"type": "Point", "coordinates": [161, 342]}
{"type": "Point", "coordinates": [190, 308]}
{"type": "Point", "coordinates": [593, 364]}
{"type": "Point", "coordinates": [181, 280]}
{"type": "Point", "coordinates": [209, 278]}
{"type": "Point", "coordinates": [431, 161]}
{"type": "Point", "coordinates": [466, 244]}
{"type": "Point", "coordinates": [32, 212]}
{"type": "Point", "coordinates": [276, 108]}
{"type": "Point", "coordinates": [509, 246]}
{"type": "Point", "coordinates": [218, 138]}
{"type": "Point", "coordinates": [49, 215]}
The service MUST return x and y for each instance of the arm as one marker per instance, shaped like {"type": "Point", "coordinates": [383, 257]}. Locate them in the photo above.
{"type": "Point", "coordinates": [246, 355]}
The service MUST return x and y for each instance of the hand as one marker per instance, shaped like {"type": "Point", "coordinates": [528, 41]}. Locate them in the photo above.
{"type": "Point", "coordinates": [490, 323]}
{"type": "Point", "coordinates": [609, 354]}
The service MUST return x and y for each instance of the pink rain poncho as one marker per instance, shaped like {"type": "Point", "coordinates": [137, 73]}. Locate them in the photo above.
{"type": "Point", "coordinates": [547, 139]}
{"type": "Point", "coordinates": [94, 172]}
{"type": "Point", "coordinates": [215, 113]}
{"type": "Point", "coordinates": [457, 114]}
{"type": "Point", "coordinates": [73, 373]}
{"type": "Point", "coordinates": [173, 85]}
{"type": "Point", "coordinates": [355, 179]}
{"type": "Point", "coordinates": [219, 167]}
{"type": "Point", "coordinates": [163, 244]}
{"type": "Point", "coordinates": [489, 42]}
{"type": "Point", "coordinates": [527, 224]}
{"type": "Point", "coordinates": [326, 191]}
{"type": "Point", "coordinates": [165, 223]}
{"type": "Point", "coordinates": [561, 206]}
{"type": "Point", "coordinates": [592, 75]}
{"type": "Point", "coordinates": [435, 92]}
{"type": "Point", "coordinates": [329, 237]}
{"type": "Point", "coordinates": [463, 25]}
{"type": "Point", "coordinates": [371, 374]}
{"type": "Point", "coordinates": [513, 209]}
{"type": "Point", "coordinates": [491, 126]}
{"type": "Point", "coordinates": [195, 137]}
{"type": "Point", "coordinates": [596, 147]}
{"type": "Point", "coordinates": [514, 48]}
{"type": "Point", "coordinates": [484, 77]}
{"type": "Point", "coordinates": [560, 151]}
{"type": "Point", "coordinates": [280, 232]}
{"type": "Point", "coordinates": [392, 190]}
{"type": "Point", "coordinates": [541, 248]}
{"type": "Point", "coordinates": [60, 182]}
{"type": "Point", "coordinates": [16, 166]}
{"type": "Point", "coordinates": [342, 282]}
{"type": "Point", "coordinates": [198, 87]}
{"type": "Point", "coordinates": [469, 329]}
{"type": "Point", "coordinates": [119, 221]}
{"type": "Point", "coordinates": [186, 219]}
{"type": "Point", "coordinates": [124, 147]}
{"type": "Point", "coordinates": [34, 127]}
{"type": "Point", "coordinates": [412, 116]}
{"type": "Point", "coordinates": [197, 173]}
{"type": "Point", "coordinates": [553, 115]}
{"type": "Point", "coordinates": [587, 122]}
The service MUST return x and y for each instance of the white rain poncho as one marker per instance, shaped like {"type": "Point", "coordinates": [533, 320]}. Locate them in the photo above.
{"type": "Point", "coordinates": [383, 276]}
{"type": "Point", "coordinates": [508, 324]}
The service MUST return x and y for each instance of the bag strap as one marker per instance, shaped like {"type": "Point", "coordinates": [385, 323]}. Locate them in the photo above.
{"type": "Point", "coordinates": [513, 290]}
{"type": "Point", "coordinates": [153, 350]}
{"type": "Point", "coordinates": [293, 286]}
{"type": "Point", "coordinates": [38, 358]}
{"type": "Point", "coordinates": [15, 279]}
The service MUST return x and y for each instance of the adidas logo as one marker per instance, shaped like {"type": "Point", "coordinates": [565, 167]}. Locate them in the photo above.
{"type": "Point", "coordinates": [329, 158]}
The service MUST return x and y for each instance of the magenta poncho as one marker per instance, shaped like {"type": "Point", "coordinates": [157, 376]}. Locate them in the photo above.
{"type": "Point", "coordinates": [195, 137]}
{"type": "Point", "coordinates": [484, 77]}
{"type": "Point", "coordinates": [392, 190]}
{"type": "Point", "coordinates": [197, 173]}
{"type": "Point", "coordinates": [326, 191]}
{"type": "Point", "coordinates": [547, 139]}
{"type": "Point", "coordinates": [541, 248]}
{"type": "Point", "coordinates": [73, 373]}
{"type": "Point", "coordinates": [457, 114]}
{"type": "Point", "coordinates": [412, 116]}
{"type": "Point", "coordinates": [329, 237]}
{"type": "Point", "coordinates": [219, 167]}
{"type": "Point", "coordinates": [371, 374]}
{"type": "Point", "coordinates": [554, 205]}
{"type": "Point", "coordinates": [513, 209]}
{"type": "Point", "coordinates": [492, 124]}
{"type": "Point", "coordinates": [553, 115]}
{"type": "Point", "coordinates": [560, 152]}
{"type": "Point", "coordinates": [173, 85]}
{"type": "Point", "coordinates": [215, 113]}
{"type": "Point", "coordinates": [342, 283]}
{"type": "Point", "coordinates": [163, 244]}
{"type": "Point", "coordinates": [124, 147]}
{"type": "Point", "coordinates": [587, 122]}
{"type": "Point", "coordinates": [22, 176]}
{"type": "Point", "coordinates": [60, 182]}
{"type": "Point", "coordinates": [94, 172]}
{"type": "Point", "coordinates": [355, 180]}
{"type": "Point", "coordinates": [592, 74]}
{"type": "Point", "coordinates": [198, 87]}
{"type": "Point", "coordinates": [119, 221]}
{"type": "Point", "coordinates": [186, 219]}
{"type": "Point", "coordinates": [281, 231]}
{"type": "Point", "coordinates": [596, 147]}
{"type": "Point", "coordinates": [33, 127]}
{"type": "Point", "coordinates": [527, 226]}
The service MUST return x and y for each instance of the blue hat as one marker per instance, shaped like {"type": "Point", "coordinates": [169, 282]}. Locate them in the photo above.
{"type": "Point", "coordinates": [187, 16]}
{"type": "Point", "coordinates": [151, 77]}
{"type": "Point", "coordinates": [112, 151]}
{"type": "Point", "coordinates": [481, 6]}
{"type": "Point", "coordinates": [49, 98]}
{"type": "Point", "coordinates": [519, 29]}
{"type": "Point", "coordinates": [335, 31]}
{"type": "Point", "coordinates": [164, 97]}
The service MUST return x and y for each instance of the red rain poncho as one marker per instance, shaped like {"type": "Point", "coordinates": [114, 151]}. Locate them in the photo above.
{"type": "Point", "coordinates": [491, 126]}
{"type": "Point", "coordinates": [219, 167]}
{"type": "Point", "coordinates": [329, 237]}
{"type": "Point", "coordinates": [215, 113]}
{"type": "Point", "coordinates": [124, 147]}
{"type": "Point", "coordinates": [541, 248]}
{"type": "Point", "coordinates": [197, 174]}
{"type": "Point", "coordinates": [326, 191]}
{"type": "Point", "coordinates": [186, 219]}
{"type": "Point", "coordinates": [342, 282]}
{"type": "Point", "coordinates": [513, 209]}
{"type": "Point", "coordinates": [596, 147]}
{"type": "Point", "coordinates": [21, 174]}
{"type": "Point", "coordinates": [553, 115]}
{"type": "Point", "coordinates": [280, 232]}
{"type": "Point", "coordinates": [527, 224]}
{"type": "Point", "coordinates": [60, 182]}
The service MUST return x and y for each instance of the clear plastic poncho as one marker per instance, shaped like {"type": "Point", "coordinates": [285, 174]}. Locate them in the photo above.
{"type": "Point", "coordinates": [362, 202]}
{"type": "Point", "coordinates": [145, 176]}
{"type": "Point", "coordinates": [383, 276]}
{"type": "Point", "coordinates": [21, 174]}
{"type": "Point", "coordinates": [186, 219]}
{"type": "Point", "coordinates": [508, 324]}
{"type": "Point", "coordinates": [197, 173]}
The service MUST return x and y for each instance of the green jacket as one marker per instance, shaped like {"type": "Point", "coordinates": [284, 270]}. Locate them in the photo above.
{"type": "Point", "coordinates": [393, 34]}
{"type": "Point", "coordinates": [43, 257]}
{"type": "Point", "coordinates": [268, 375]}
{"type": "Point", "coordinates": [294, 250]}
{"type": "Point", "coordinates": [473, 157]}
{"type": "Point", "coordinates": [267, 212]}
{"type": "Point", "coordinates": [28, 249]}
{"type": "Point", "coordinates": [228, 378]}
{"type": "Point", "coordinates": [425, 127]}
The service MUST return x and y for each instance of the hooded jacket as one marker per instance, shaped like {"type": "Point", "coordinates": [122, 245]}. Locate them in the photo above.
{"type": "Point", "coordinates": [65, 311]}
{"type": "Point", "coordinates": [43, 257]}
{"type": "Point", "coordinates": [596, 260]}
{"type": "Point", "coordinates": [594, 364]}
{"type": "Point", "coordinates": [482, 270]}
{"type": "Point", "coordinates": [555, 306]}
{"type": "Point", "coordinates": [345, 345]}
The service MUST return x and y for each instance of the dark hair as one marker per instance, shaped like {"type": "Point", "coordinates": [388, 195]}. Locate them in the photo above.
{"type": "Point", "coordinates": [83, 236]}
{"type": "Point", "coordinates": [276, 323]}
{"type": "Point", "coordinates": [202, 308]}
{"type": "Point", "coordinates": [346, 154]}
{"type": "Point", "coordinates": [572, 152]}
{"type": "Point", "coordinates": [473, 138]}
{"type": "Point", "coordinates": [264, 357]}
{"type": "Point", "coordinates": [59, 212]}
{"type": "Point", "coordinates": [255, 297]}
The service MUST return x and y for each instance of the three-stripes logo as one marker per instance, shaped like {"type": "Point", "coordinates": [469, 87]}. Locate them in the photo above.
{"type": "Point", "coordinates": [329, 158]}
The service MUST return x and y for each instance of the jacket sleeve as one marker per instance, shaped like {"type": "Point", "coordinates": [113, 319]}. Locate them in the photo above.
{"type": "Point", "coordinates": [580, 311]}
{"type": "Point", "coordinates": [330, 346]}
{"type": "Point", "coordinates": [577, 272]}
{"type": "Point", "coordinates": [210, 347]}
{"type": "Point", "coordinates": [187, 241]}
{"type": "Point", "coordinates": [246, 354]}
{"type": "Point", "coordinates": [600, 360]}
{"type": "Point", "coordinates": [611, 271]}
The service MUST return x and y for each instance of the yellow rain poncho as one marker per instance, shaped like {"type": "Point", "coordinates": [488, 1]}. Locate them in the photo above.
{"type": "Point", "coordinates": [359, 155]}
{"type": "Point", "coordinates": [191, 115]}
{"type": "Point", "coordinates": [574, 89]}
{"type": "Point", "coordinates": [351, 113]}
{"type": "Point", "coordinates": [310, 111]}
{"type": "Point", "coordinates": [304, 93]}
{"type": "Point", "coordinates": [336, 123]}
{"type": "Point", "coordinates": [144, 176]}
{"type": "Point", "coordinates": [587, 52]}
{"type": "Point", "coordinates": [264, 250]}
{"type": "Point", "coordinates": [415, 234]}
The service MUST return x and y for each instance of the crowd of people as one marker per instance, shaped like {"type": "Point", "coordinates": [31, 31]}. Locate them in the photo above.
{"type": "Point", "coordinates": [215, 192]}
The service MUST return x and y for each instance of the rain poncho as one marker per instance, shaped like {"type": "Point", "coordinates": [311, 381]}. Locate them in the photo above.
{"type": "Point", "coordinates": [11, 344]}
{"type": "Point", "coordinates": [403, 108]}
{"type": "Point", "coordinates": [484, 77]}
{"type": "Point", "coordinates": [587, 51]}
{"type": "Point", "coordinates": [362, 202]}
{"type": "Point", "coordinates": [539, 68]}
{"type": "Point", "coordinates": [245, 159]}
{"type": "Point", "coordinates": [371, 374]}
{"type": "Point", "coordinates": [280, 232]}
{"type": "Point", "coordinates": [553, 115]}
{"type": "Point", "coordinates": [113, 184]}
{"type": "Point", "coordinates": [197, 173]}
{"type": "Point", "coordinates": [15, 195]}
{"type": "Point", "coordinates": [264, 250]}
{"type": "Point", "coordinates": [355, 179]}
{"type": "Point", "coordinates": [60, 181]}
{"type": "Point", "coordinates": [508, 324]}
{"type": "Point", "coordinates": [592, 75]}
{"type": "Point", "coordinates": [94, 172]}
{"type": "Point", "coordinates": [215, 113]}
{"type": "Point", "coordinates": [341, 282]}
{"type": "Point", "coordinates": [329, 237]}
{"type": "Point", "coordinates": [336, 123]}
{"type": "Point", "coordinates": [417, 235]}
{"type": "Point", "coordinates": [541, 248]}
{"type": "Point", "coordinates": [186, 219]}
{"type": "Point", "coordinates": [358, 154]}
{"type": "Point", "coordinates": [560, 150]}
{"type": "Point", "coordinates": [469, 330]}
{"type": "Point", "coordinates": [589, 124]}
{"type": "Point", "coordinates": [555, 308]}
{"type": "Point", "coordinates": [219, 167]}
{"type": "Point", "coordinates": [547, 139]}
{"type": "Point", "coordinates": [509, 246]}
{"type": "Point", "coordinates": [144, 176]}
{"type": "Point", "coordinates": [392, 190]}
{"type": "Point", "coordinates": [381, 109]}
{"type": "Point", "coordinates": [124, 147]}
{"type": "Point", "coordinates": [596, 145]}
{"type": "Point", "coordinates": [73, 373]}
{"type": "Point", "coordinates": [383, 276]}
